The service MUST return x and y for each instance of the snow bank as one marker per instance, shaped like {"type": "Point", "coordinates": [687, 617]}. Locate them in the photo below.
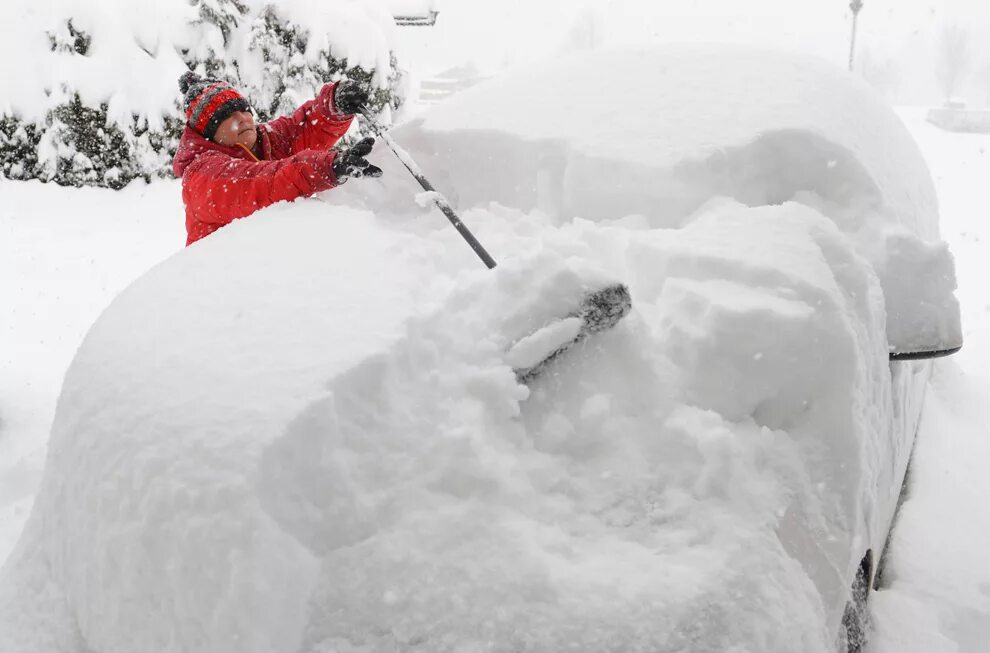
{"type": "Point", "coordinates": [659, 132]}
{"type": "Point", "coordinates": [302, 433]}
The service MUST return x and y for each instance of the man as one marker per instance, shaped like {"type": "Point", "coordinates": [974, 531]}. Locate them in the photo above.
{"type": "Point", "coordinates": [230, 167]}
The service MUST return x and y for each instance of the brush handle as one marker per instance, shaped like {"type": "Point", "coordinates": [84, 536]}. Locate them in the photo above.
{"type": "Point", "coordinates": [438, 198]}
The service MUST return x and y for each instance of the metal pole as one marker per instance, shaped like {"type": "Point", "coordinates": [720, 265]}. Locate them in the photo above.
{"type": "Point", "coordinates": [855, 5]}
{"type": "Point", "coordinates": [438, 199]}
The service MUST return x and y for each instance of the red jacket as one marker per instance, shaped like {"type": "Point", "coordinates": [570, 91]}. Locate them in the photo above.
{"type": "Point", "coordinates": [221, 184]}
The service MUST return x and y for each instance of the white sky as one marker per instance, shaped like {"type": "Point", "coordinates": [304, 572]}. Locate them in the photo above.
{"type": "Point", "coordinates": [499, 33]}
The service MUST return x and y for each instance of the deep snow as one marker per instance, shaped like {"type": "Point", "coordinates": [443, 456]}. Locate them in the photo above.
{"type": "Point", "coordinates": [528, 479]}
{"type": "Point", "coordinates": [278, 458]}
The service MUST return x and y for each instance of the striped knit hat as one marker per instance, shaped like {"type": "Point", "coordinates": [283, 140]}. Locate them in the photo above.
{"type": "Point", "coordinates": [209, 102]}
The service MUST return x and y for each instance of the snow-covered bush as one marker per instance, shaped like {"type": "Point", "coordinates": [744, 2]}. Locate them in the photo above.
{"type": "Point", "coordinates": [290, 62]}
{"type": "Point", "coordinates": [100, 104]}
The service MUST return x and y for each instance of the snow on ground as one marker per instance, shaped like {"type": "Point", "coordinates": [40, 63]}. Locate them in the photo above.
{"type": "Point", "coordinates": [64, 254]}
{"type": "Point", "coordinates": [937, 585]}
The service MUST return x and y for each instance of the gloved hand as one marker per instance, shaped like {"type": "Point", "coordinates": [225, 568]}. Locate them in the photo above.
{"type": "Point", "coordinates": [349, 97]}
{"type": "Point", "coordinates": [351, 163]}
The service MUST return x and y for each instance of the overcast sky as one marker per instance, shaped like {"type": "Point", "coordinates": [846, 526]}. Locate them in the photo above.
{"type": "Point", "coordinates": [899, 34]}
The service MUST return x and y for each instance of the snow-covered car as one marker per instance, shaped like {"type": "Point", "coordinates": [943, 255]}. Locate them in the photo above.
{"type": "Point", "coordinates": [956, 117]}
{"type": "Point", "coordinates": [303, 434]}
{"type": "Point", "coordinates": [690, 129]}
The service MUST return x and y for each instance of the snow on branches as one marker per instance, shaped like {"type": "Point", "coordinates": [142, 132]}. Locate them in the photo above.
{"type": "Point", "coordinates": [100, 105]}
{"type": "Point", "coordinates": [290, 66]}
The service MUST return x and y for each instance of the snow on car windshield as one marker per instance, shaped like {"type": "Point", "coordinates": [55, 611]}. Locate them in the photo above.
{"type": "Point", "coordinates": [682, 126]}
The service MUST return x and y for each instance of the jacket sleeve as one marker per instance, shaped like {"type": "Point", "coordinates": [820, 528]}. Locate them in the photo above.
{"type": "Point", "coordinates": [218, 189]}
{"type": "Point", "coordinates": [316, 125]}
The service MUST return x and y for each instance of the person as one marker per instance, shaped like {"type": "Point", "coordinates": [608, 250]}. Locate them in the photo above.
{"type": "Point", "coordinates": [231, 167]}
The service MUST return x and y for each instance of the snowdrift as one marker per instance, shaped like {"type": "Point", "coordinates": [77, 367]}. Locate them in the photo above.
{"type": "Point", "coordinates": [302, 433]}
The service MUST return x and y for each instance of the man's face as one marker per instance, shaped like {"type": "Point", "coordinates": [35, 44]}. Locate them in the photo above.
{"type": "Point", "coordinates": [238, 128]}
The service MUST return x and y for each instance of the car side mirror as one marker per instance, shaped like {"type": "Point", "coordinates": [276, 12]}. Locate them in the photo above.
{"type": "Point", "coordinates": [919, 281]}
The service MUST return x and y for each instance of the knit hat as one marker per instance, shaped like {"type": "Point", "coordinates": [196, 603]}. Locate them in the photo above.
{"type": "Point", "coordinates": [209, 102]}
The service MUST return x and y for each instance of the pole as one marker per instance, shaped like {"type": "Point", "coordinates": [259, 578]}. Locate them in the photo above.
{"type": "Point", "coordinates": [855, 5]}
{"type": "Point", "coordinates": [438, 198]}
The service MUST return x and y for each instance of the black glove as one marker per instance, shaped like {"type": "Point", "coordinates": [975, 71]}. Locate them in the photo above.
{"type": "Point", "coordinates": [351, 163]}
{"type": "Point", "coordinates": [349, 97]}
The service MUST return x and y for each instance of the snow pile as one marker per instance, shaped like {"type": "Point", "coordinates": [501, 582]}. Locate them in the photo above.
{"type": "Point", "coordinates": [324, 448]}
{"type": "Point", "coordinates": [764, 129]}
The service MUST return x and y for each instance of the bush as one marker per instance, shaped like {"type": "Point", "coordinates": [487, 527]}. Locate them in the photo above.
{"type": "Point", "coordinates": [258, 48]}
{"type": "Point", "coordinates": [288, 79]}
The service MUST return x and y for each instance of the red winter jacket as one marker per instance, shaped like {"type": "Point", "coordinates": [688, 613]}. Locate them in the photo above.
{"type": "Point", "coordinates": [221, 184]}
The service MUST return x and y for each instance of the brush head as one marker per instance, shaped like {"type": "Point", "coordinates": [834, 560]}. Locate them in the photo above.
{"type": "Point", "coordinates": [599, 311]}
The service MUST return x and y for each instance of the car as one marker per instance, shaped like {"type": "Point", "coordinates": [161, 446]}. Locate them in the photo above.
{"type": "Point", "coordinates": [304, 433]}
{"type": "Point", "coordinates": [955, 116]}
{"type": "Point", "coordinates": [762, 128]}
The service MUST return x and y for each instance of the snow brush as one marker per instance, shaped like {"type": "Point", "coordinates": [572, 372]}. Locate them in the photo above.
{"type": "Point", "coordinates": [600, 310]}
